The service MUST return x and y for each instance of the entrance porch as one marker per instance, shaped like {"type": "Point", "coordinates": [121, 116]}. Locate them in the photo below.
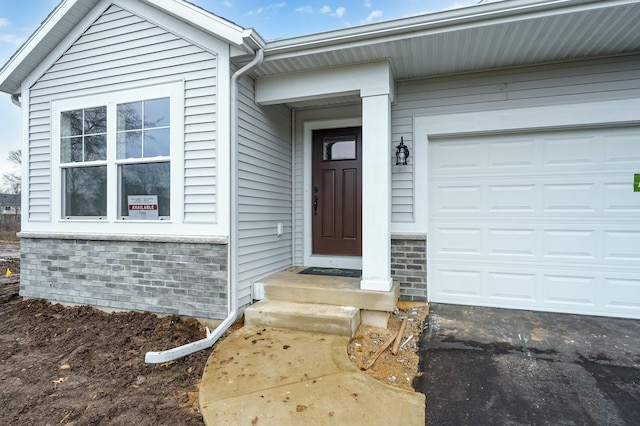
{"type": "Point", "coordinates": [370, 89]}
{"type": "Point", "coordinates": [319, 303]}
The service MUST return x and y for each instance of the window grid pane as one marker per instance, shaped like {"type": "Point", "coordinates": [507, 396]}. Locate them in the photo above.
{"type": "Point", "coordinates": [83, 135]}
{"type": "Point", "coordinates": [85, 191]}
{"type": "Point", "coordinates": [146, 179]}
{"type": "Point", "coordinates": [143, 129]}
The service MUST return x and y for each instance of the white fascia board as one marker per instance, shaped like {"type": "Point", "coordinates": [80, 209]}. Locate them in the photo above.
{"type": "Point", "coordinates": [195, 36]}
{"type": "Point", "coordinates": [189, 16]}
{"type": "Point", "coordinates": [6, 74]}
{"type": "Point", "coordinates": [200, 36]}
{"type": "Point", "coordinates": [66, 43]}
{"type": "Point", "coordinates": [369, 79]}
{"type": "Point", "coordinates": [195, 16]}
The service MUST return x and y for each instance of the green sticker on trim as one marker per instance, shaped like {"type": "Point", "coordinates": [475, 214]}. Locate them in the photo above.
{"type": "Point", "coordinates": [636, 182]}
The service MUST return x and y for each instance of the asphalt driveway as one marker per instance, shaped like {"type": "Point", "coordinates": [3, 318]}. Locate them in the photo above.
{"type": "Point", "coordinates": [484, 366]}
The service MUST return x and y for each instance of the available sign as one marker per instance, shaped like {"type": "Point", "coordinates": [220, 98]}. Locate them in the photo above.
{"type": "Point", "coordinates": [143, 207]}
{"type": "Point", "coordinates": [636, 182]}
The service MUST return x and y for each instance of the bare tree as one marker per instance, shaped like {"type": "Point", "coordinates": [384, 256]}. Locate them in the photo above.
{"type": "Point", "coordinates": [12, 181]}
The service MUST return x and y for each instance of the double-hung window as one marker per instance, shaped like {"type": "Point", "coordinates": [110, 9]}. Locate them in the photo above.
{"type": "Point", "coordinates": [83, 159]}
{"type": "Point", "coordinates": [116, 148]}
{"type": "Point", "coordinates": [143, 153]}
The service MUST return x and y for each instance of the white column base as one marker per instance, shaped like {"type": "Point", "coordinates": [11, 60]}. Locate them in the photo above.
{"type": "Point", "coordinates": [376, 285]}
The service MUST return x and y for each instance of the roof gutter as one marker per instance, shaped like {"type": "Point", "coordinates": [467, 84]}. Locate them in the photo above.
{"type": "Point", "coordinates": [213, 336]}
{"type": "Point", "coordinates": [15, 98]}
{"type": "Point", "coordinates": [437, 21]}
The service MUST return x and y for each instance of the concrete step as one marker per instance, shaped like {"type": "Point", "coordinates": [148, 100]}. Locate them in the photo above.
{"type": "Point", "coordinates": [293, 287]}
{"type": "Point", "coordinates": [322, 318]}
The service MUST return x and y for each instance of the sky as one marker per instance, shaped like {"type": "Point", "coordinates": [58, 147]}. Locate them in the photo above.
{"type": "Point", "coordinates": [272, 19]}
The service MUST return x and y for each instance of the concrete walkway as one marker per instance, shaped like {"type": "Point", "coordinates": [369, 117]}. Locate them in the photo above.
{"type": "Point", "coordinates": [271, 376]}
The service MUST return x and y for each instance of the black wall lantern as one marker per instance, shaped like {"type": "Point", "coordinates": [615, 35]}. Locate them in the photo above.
{"type": "Point", "coordinates": [402, 153]}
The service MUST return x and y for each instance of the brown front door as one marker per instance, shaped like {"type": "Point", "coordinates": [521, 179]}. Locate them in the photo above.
{"type": "Point", "coordinates": [336, 191]}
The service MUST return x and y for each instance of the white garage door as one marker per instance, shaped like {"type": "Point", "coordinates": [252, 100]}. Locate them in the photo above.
{"type": "Point", "coordinates": [544, 221]}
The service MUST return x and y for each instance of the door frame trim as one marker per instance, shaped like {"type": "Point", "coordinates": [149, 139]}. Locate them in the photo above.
{"type": "Point", "coordinates": [351, 262]}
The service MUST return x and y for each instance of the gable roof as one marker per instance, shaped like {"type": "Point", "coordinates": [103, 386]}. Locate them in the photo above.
{"type": "Point", "coordinates": [69, 14]}
{"type": "Point", "coordinates": [486, 36]}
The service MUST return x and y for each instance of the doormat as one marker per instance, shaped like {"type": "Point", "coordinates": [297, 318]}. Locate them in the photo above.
{"type": "Point", "coordinates": [333, 272]}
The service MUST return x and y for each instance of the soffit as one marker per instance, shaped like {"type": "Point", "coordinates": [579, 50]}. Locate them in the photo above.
{"type": "Point", "coordinates": [571, 30]}
{"type": "Point", "coordinates": [41, 43]}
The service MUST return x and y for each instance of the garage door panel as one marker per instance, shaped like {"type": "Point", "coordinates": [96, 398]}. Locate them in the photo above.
{"type": "Point", "coordinates": [571, 197]}
{"type": "Point", "coordinates": [584, 244]}
{"type": "Point", "coordinates": [622, 149]}
{"type": "Point", "coordinates": [617, 199]}
{"type": "Point", "coordinates": [511, 198]}
{"type": "Point", "coordinates": [459, 157]}
{"type": "Point", "coordinates": [544, 220]}
{"type": "Point", "coordinates": [455, 240]}
{"type": "Point", "coordinates": [458, 283]}
{"type": "Point", "coordinates": [510, 242]}
{"type": "Point", "coordinates": [622, 292]}
{"type": "Point", "coordinates": [508, 286]}
{"type": "Point", "coordinates": [621, 246]}
{"type": "Point", "coordinates": [563, 151]}
{"type": "Point", "coordinates": [458, 199]}
{"type": "Point", "coordinates": [543, 195]}
{"type": "Point", "coordinates": [577, 245]}
{"type": "Point", "coordinates": [519, 154]}
{"type": "Point", "coordinates": [566, 290]}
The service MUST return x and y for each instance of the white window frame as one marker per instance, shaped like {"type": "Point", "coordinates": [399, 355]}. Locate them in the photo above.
{"type": "Point", "coordinates": [175, 92]}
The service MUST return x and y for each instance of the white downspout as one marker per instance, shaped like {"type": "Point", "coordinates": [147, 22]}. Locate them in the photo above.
{"type": "Point", "coordinates": [213, 336]}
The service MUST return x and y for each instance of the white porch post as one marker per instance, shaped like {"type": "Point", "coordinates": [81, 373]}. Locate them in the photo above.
{"type": "Point", "coordinates": [376, 193]}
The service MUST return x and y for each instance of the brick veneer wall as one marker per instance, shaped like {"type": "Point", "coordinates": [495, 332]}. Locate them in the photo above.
{"type": "Point", "coordinates": [409, 266]}
{"type": "Point", "coordinates": [169, 277]}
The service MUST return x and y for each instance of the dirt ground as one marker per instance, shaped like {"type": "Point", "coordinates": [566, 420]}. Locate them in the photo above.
{"type": "Point", "coordinates": [396, 370]}
{"type": "Point", "coordinates": [78, 365]}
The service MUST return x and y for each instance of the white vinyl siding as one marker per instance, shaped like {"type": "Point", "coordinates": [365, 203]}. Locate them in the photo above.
{"type": "Point", "coordinates": [264, 196]}
{"type": "Point", "coordinates": [570, 82]}
{"type": "Point", "coordinates": [122, 51]}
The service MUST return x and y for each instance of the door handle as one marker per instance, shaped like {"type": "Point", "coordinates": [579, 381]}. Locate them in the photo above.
{"type": "Point", "coordinates": [315, 201]}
